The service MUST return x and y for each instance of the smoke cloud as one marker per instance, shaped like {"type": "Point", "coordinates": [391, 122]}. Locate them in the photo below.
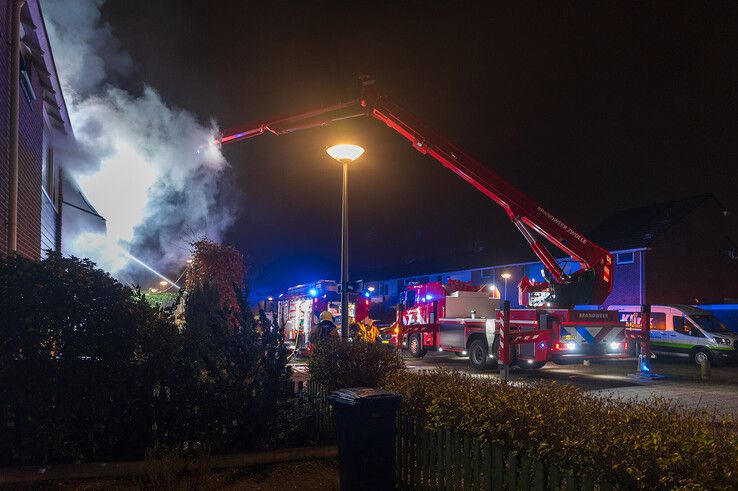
{"type": "Point", "coordinates": [144, 165]}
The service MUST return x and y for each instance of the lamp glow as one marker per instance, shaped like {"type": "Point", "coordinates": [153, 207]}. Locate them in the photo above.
{"type": "Point", "coordinates": [506, 275]}
{"type": "Point", "coordinates": [345, 152]}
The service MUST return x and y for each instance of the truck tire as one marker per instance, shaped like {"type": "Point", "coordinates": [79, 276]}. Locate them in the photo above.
{"type": "Point", "coordinates": [478, 354]}
{"type": "Point", "coordinates": [415, 346]}
{"type": "Point", "coordinates": [532, 366]}
{"type": "Point", "coordinates": [701, 354]}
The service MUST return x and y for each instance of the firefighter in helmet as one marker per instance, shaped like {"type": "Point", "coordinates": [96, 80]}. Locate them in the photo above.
{"type": "Point", "coordinates": [324, 329]}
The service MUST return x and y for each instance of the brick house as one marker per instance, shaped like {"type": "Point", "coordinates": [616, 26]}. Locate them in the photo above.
{"type": "Point", "coordinates": [43, 132]}
{"type": "Point", "coordinates": [681, 251]}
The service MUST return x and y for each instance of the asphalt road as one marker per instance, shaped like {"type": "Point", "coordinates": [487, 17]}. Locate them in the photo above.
{"type": "Point", "coordinates": [599, 375]}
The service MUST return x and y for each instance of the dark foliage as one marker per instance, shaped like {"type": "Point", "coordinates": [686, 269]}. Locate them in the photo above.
{"type": "Point", "coordinates": [89, 370]}
{"type": "Point", "coordinates": [337, 364]}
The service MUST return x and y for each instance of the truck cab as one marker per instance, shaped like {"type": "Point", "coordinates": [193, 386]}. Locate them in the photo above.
{"type": "Point", "coordinates": [682, 331]}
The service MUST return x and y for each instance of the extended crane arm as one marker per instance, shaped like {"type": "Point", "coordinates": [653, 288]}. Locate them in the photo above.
{"type": "Point", "coordinates": [591, 284]}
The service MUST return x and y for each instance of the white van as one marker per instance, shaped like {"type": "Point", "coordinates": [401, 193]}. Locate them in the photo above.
{"type": "Point", "coordinates": [684, 331]}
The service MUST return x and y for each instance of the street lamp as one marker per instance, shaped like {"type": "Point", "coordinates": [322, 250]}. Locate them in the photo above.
{"type": "Point", "coordinates": [505, 276]}
{"type": "Point", "coordinates": [344, 153]}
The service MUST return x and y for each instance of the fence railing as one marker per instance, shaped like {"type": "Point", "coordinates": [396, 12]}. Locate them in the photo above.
{"type": "Point", "coordinates": [451, 460]}
{"type": "Point", "coordinates": [322, 425]}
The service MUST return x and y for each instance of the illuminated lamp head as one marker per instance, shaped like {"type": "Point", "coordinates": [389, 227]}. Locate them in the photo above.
{"type": "Point", "coordinates": [345, 152]}
{"type": "Point", "coordinates": [313, 292]}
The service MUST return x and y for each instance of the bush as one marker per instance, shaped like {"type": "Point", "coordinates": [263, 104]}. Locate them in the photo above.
{"type": "Point", "coordinates": [80, 358]}
{"type": "Point", "coordinates": [90, 371]}
{"type": "Point", "coordinates": [654, 445]}
{"type": "Point", "coordinates": [337, 364]}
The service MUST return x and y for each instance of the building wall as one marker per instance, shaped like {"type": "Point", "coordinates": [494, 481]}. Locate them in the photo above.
{"type": "Point", "coordinates": [4, 120]}
{"type": "Point", "coordinates": [690, 262]}
{"type": "Point", "coordinates": [628, 285]}
{"type": "Point", "coordinates": [30, 153]}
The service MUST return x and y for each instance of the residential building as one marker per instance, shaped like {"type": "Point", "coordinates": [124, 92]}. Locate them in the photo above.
{"type": "Point", "coordinates": [681, 251]}
{"type": "Point", "coordinates": [42, 131]}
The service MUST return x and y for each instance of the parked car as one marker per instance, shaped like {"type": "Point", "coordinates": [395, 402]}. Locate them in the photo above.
{"type": "Point", "coordinates": [685, 332]}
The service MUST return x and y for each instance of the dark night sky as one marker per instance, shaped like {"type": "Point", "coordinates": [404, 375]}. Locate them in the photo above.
{"type": "Point", "coordinates": [589, 108]}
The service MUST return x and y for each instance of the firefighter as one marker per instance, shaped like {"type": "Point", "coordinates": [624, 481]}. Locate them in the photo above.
{"type": "Point", "coordinates": [324, 329]}
{"type": "Point", "coordinates": [368, 332]}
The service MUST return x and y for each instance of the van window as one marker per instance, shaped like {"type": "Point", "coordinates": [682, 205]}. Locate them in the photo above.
{"type": "Point", "coordinates": [658, 321]}
{"type": "Point", "coordinates": [678, 322]}
{"type": "Point", "coordinates": [709, 323]}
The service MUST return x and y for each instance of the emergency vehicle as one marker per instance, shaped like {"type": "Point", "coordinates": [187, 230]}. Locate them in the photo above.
{"type": "Point", "coordinates": [463, 319]}
{"type": "Point", "coordinates": [536, 334]}
{"type": "Point", "coordinates": [298, 309]}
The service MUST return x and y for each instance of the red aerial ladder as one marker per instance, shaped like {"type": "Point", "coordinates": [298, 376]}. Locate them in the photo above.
{"type": "Point", "coordinates": [590, 284]}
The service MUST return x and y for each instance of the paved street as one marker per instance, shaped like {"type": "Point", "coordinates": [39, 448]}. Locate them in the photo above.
{"type": "Point", "coordinates": [682, 382]}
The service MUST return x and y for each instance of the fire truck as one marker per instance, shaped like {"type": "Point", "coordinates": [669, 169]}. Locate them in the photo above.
{"type": "Point", "coordinates": [549, 329]}
{"type": "Point", "coordinates": [461, 318]}
{"type": "Point", "coordinates": [299, 308]}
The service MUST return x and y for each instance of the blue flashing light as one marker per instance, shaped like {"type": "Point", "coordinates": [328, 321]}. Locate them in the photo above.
{"type": "Point", "coordinates": [281, 295]}
{"type": "Point", "coordinates": [313, 292]}
{"type": "Point", "coordinates": [429, 297]}
{"type": "Point", "coordinates": [644, 367]}
{"type": "Point", "coordinates": [367, 294]}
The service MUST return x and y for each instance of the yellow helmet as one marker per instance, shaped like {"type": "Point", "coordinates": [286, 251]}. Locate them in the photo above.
{"type": "Point", "coordinates": [326, 316]}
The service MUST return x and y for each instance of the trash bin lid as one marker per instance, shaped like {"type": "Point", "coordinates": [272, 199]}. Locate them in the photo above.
{"type": "Point", "coordinates": [362, 395]}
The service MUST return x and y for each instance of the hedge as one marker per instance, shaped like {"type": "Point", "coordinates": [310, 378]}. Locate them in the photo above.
{"type": "Point", "coordinates": [646, 445]}
{"type": "Point", "coordinates": [337, 364]}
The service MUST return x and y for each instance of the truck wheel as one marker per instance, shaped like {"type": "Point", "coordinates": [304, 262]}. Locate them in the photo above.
{"type": "Point", "coordinates": [700, 355]}
{"type": "Point", "coordinates": [416, 346]}
{"type": "Point", "coordinates": [493, 363]}
{"type": "Point", "coordinates": [478, 354]}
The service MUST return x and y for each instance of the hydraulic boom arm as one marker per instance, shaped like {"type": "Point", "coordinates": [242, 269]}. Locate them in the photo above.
{"type": "Point", "coordinates": [590, 284]}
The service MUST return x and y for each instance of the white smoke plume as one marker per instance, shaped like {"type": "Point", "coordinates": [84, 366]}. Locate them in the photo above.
{"type": "Point", "coordinates": [141, 162]}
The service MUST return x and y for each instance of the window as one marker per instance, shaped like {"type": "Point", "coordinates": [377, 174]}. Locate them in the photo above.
{"type": "Point", "coordinates": [626, 257]}
{"type": "Point", "coordinates": [25, 80]}
{"type": "Point", "coordinates": [658, 321]}
{"type": "Point", "coordinates": [48, 172]}
{"type": "Point", "coordinates": [678, 324]}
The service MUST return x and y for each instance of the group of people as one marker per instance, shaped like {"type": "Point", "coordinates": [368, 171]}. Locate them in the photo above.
{"type": "Point", "coordinates": [326, 328]}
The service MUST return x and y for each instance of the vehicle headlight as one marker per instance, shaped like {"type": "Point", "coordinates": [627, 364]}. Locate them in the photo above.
{"type": "Point", "coordinates": [723, 341]}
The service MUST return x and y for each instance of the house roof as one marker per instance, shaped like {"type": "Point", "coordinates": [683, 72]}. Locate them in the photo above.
{"type": "Point", "coordinates": [634, 228]}
{"type": "Point", "coordinates": [639, 227]}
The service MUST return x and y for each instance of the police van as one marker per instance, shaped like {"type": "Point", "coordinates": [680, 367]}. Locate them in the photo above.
{"type": "Point", "coordinates": [684, 331]}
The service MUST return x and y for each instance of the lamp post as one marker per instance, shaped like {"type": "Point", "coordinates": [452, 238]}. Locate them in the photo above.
{"type": "Point", "coordinates": [344, 153]}
{"type": "Point", "coordinates": [505, 276]}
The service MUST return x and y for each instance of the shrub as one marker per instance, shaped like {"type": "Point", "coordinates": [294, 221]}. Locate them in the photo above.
{"type": "Point", "coordinates": [337, 364]}
{"type": "Point", "coordinates": [90, 371]}
{"type": "Point", "coordinates": [654, 445]}
{"type": "Point", "coordinates": [80, 358]}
